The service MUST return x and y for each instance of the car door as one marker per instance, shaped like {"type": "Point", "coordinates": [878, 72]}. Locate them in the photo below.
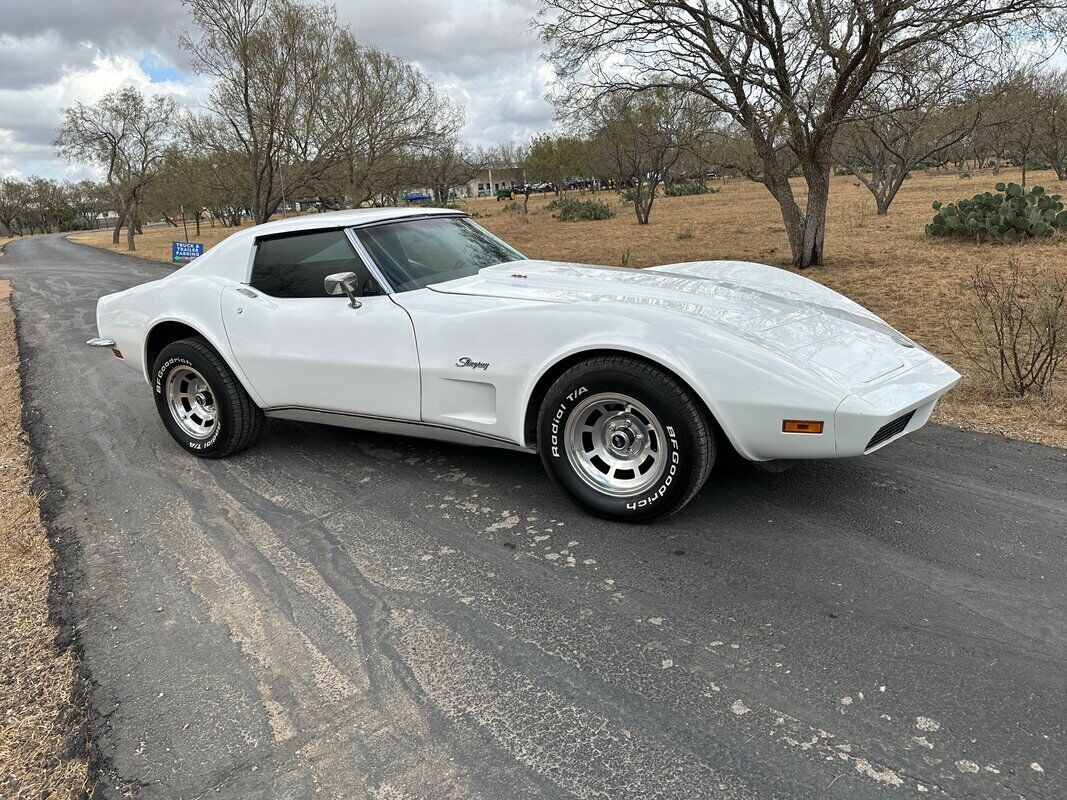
{"type": "Point", "coordinates": [301, 348]}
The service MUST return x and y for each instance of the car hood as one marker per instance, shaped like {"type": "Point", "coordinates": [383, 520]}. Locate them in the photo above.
{"type": "Point", "coordinates": [781, 310]}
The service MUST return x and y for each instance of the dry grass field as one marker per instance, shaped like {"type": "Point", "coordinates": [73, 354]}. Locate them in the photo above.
{"type": "Point", "coordinates": [917, 284]}
{"type": "Point", "coordinates": [42, 751]}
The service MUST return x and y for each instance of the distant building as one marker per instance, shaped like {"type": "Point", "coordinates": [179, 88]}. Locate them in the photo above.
{"type": "Point", "coordinates": [492, 179]}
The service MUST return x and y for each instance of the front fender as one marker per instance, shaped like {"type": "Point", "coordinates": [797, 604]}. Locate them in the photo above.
{"type": "Point", "coordinates": [747, 387]}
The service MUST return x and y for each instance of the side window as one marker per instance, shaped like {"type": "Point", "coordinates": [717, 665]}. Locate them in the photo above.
{"type": "Point", "coordinates": [295, 264]}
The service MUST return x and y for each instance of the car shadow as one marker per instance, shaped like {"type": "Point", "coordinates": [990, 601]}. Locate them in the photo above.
{"type": "Point", "coordinates": [733, 490]}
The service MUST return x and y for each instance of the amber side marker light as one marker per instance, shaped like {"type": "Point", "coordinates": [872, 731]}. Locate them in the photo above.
{"type": "Point", "coordinates": [801, 426]}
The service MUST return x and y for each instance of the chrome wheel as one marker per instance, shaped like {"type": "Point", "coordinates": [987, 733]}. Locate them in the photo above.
{"type": "Point", "coordinates": [192, 402]}
{"type": "Point", "coordinates": [615, 444]}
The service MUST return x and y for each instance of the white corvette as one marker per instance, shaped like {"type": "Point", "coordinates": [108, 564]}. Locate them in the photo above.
{"type": "Point", "coordinates": [420, 322]}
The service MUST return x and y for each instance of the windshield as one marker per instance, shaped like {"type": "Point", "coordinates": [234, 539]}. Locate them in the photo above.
{"type": "Point", "coordinates": [414, 253]}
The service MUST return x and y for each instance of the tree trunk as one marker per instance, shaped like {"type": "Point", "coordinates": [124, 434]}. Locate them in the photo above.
{"type": "Point", "coordinates": [642, 205]}
{"type": "Point", "coordinates": [890, 195]}
{"type": "Point", "coordinates": [1059, 164]}
{"type": "Point", "coordinates": [818, 180]}
{"type": "Point", "coordinates": [131, 229]}
{"type": "Point", "coordinates": [118, 226]}
{"type": "Point", "coordinates": [777, 182]}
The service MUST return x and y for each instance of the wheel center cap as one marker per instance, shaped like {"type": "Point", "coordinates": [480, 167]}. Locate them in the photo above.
{"type": "Point", "coordinates": [202, 399]}
{"type": "Point", "coordinates": [621, 440]}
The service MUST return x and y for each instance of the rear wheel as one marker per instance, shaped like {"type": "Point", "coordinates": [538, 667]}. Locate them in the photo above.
{"type": "Point", "coordinates": [625, 439]}
{"type": "Point", "coordinates": [201, 402]}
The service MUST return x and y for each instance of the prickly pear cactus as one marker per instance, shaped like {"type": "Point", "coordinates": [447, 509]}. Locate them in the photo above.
{"type": "Point", "coordinates": [1009, 215]}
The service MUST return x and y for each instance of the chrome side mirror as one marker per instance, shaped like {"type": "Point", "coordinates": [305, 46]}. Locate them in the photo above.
{"type": "Point", "coordinates": [343, 283]}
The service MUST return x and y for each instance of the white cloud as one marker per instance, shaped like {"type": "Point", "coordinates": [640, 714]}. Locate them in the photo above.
{"type": "Point", "coordinates": [31, 115]}
{"type": "Point", "coordinates": [481, 53]}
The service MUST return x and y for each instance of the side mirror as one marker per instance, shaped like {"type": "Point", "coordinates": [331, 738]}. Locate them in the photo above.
{"type": "Point", "coordinates": [343, 283]}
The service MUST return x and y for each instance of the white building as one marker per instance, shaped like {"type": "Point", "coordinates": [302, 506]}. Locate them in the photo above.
{"type": "Point", "coordinates": [492, 179]}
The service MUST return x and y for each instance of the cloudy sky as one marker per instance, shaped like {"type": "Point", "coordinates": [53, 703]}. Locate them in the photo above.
{"type": "Point", "coordinates": [56, 52]}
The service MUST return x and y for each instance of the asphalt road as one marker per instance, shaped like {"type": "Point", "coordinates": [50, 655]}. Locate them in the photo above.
{"type": "Point", "coordinates": [340, 614]}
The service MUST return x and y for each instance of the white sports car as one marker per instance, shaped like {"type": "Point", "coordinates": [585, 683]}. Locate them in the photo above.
{"type": "Point", "coordinates": [418, 321]}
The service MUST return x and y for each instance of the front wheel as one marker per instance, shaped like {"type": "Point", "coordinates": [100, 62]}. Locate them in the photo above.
{"type": "Point", "coordinates": [625, 439]}
{"type": "Point", "coordinates": [201, 402]}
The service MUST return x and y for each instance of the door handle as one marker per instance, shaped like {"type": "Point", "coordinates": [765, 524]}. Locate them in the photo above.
{"type": "Point", "coordinates": [246, 291]}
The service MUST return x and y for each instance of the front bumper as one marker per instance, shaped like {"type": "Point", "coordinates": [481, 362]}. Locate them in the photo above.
{"type": "Point", "coordinates": [869, 420]}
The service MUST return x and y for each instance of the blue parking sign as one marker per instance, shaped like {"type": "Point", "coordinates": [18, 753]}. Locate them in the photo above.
{"type": "Point", "coordinates": [184, 252]}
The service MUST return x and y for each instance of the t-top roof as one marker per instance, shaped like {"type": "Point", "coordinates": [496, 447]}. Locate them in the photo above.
{"type": "Point", "coordinates": [229, 258]}
{"type": "Point", "coordinates": [343, 219]}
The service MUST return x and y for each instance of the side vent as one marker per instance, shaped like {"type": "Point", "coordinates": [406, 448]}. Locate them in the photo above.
{"type": "Point", "coordinates": [890, 429]}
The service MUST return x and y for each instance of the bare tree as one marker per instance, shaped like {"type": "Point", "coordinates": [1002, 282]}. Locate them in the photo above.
{"type": "Point", "coordinates": [1052, 120]}
{"type": "Point", "coordinates": [271, 61]}
{"type": "Point", "coordinates": [994, 138]}
{"type": "Point", "coordinates": [89, 200]}
{"type": "Point", "coordinates": [923, 108]}
{"type": "Point", "coordinates": [216, 171]}
{"type": "Point", "coordinates": [393, 117]}
{"type": "Point", "coordinates": [46, 208]}
{"type": "Point", "coordinates": [181, 192]}
{"type": "Point", "coordinates": [1024, 109]}
{"type": "Point", "coordinates": [13, 202]}
{"type": "Point", "coordinates": [445, 165]}
{"type": "Point", "coordinates": [126, 136]}
{"type": "Point", "coordinates": [787, 72]}
{"type": "Point", "coordinates": [556, 160]}
{"type": "Point", "coordinates": [643, 135]}
{"type": "Point", "coordinates": [313, 113]}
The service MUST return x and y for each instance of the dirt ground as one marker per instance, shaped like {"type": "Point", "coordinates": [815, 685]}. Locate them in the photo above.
{"type": "Point", "coordinates": [42, 748]}
{"type": "Point", "coordinates": [885, 263]}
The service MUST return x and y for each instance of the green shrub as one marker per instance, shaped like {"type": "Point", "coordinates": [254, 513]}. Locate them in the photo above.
{"type": "Point", "coordinates": [513, 206]}
{"type": "Point", "coordinates": [571, 209]}
{"type": "Point", "coordinates": [1008, 216]}
{"type": "Point", "coordinates": [686, 188]}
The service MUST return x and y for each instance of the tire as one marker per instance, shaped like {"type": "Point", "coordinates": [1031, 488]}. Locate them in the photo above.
{"type": "Point", "coordinates": [624, 439]}
{"type": "Point", "coordinates": [190, 378]}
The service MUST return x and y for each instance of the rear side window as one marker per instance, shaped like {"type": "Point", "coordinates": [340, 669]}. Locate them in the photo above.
{"type": "Point", "coordinates": [295, 264]}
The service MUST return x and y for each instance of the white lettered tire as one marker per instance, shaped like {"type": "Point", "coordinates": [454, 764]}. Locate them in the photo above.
{"type": "Point", "coordinates": [625, 439]}
{"type": "Point", "coordinates": [202, 404]}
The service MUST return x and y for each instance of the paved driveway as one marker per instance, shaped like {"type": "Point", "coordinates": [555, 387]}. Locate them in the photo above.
{"type": "Point", "coordinates": [358, 615]}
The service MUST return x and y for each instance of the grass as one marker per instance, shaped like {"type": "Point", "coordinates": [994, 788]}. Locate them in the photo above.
{"type": "Point", "coordinates": [884, 263]}
{"type": "Point", "coordinates": [42, 750]}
